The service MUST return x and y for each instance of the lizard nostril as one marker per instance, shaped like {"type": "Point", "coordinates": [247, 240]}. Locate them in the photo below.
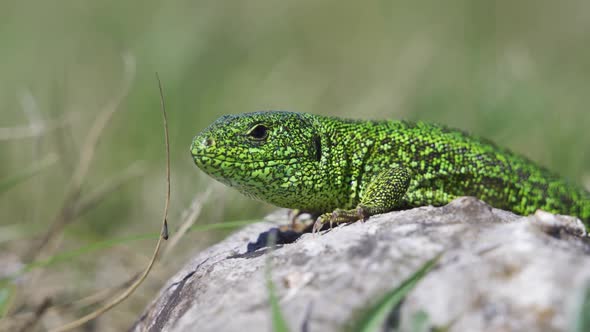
{"type": "Point", "coordinates": [200, 144]}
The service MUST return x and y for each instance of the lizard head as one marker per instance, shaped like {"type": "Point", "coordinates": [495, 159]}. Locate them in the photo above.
{"type": "Point", "coordinates": [265, 155]}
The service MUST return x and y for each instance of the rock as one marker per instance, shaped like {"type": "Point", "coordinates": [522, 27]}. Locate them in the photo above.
{"type": "Point", "coordinates": [499, 272]}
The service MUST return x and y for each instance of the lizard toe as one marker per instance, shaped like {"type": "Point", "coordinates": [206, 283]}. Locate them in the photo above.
{"type": "Point", "coordinates": [317, 226]}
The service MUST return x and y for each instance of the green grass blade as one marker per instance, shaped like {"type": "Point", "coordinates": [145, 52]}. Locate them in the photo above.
{"type": "Point", "coordinates": [278, 319]}
{"type": "Point", "coordinates": [4, 296]}
{"type": "Point", "coordinates": [69, 255]}
{"type": "Point", "coordinates": [25, 174]}
{"type": "Point", "coordinates": [582, 319]}
{"type": "Point", "coordinates": [420, 321]}
{"type": "Point", "coordinates": [6, 292]}
{"type": "Point", "coordinates": [372, 320]}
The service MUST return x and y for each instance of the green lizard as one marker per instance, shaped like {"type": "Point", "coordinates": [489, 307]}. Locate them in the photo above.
{"type": "Point", "coordinates": [348, 170]}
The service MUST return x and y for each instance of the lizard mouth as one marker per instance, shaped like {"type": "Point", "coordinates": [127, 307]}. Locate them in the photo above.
{"type": "Point", "coordinates": [204, 160]}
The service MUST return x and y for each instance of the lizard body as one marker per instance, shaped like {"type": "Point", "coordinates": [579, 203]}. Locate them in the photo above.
{"type": "Point", "coordinates": [352, 169]}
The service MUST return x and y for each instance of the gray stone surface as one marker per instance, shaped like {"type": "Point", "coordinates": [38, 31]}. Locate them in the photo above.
{"type": "Point", "coordinates": [499, 272]}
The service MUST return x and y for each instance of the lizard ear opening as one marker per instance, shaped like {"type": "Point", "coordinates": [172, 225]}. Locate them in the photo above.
{"type": "Point", "coordinates": [317, 144]}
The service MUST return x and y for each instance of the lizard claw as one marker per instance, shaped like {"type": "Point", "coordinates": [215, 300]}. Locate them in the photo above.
{"type": "Point", "coordinates": [320, 221]}
{"type": "Point", "coordinates": [332, 218]}
{"type": "Point", "coordinates": [361, 213]}
{"type": "Point", "coordinates": [317, 226]}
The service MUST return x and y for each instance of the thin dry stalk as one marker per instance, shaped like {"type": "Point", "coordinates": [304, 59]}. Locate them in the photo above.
{"type": "Point", "coordinates": [37, 315]}
{"type": "Point", "coordinates": [96, 298]}
{"type": "Point", "coordinates": [64, 217]}
{"type": "Point", "coordinates": [194, 213]}
{"type": "Point", "coordinates": [36, 122]}
{"type": "Point", "coordinates": [35, 129]}
{"type": "Point", "coordinates": [164, 235]}
{"type": "Point", "coordinates": [38, 126]}
{"type": "Point", "coordinates": [92, 199]}
{"type": "Point", "coordinates": [189, 218]}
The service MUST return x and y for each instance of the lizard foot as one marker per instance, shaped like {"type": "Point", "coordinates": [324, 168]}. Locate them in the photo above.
{"type": "Point", "coordinates": [340, 216]}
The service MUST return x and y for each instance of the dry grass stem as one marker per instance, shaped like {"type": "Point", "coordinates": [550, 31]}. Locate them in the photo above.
{"type": "Point", "coordinates": [189, 220]}
{"type": "Point", "coordinates": [89, 201]}
{"type": "Point", "coordinates": [114, 302]}
{"type": "Point", "coordinates": [30, 323]}
{"type": "Point", "coordinates": [65, 215]}
{"type": "Point", "coordinates": [35, 129]}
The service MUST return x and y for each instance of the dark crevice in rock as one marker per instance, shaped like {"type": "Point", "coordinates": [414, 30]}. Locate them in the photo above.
{"type": "Point", "coordinates": [282, 237]}
{"type": "Point", "coordinates": [190, 274]}
{"type": "Point", "coordinates": [252, 254]}
{"type": "Point", "coordinates": [173, 300]}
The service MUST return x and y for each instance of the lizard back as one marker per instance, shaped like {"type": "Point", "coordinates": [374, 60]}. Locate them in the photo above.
{"type": "Point", "coordinates": [448, 163]}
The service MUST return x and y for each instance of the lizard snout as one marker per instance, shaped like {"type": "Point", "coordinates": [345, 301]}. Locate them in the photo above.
{"type": "Point", "coordinates": [201, 143]}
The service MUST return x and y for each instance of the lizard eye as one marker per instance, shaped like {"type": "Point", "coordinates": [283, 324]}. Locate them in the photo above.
{"type": "Point", "coordinates": [259, 132]}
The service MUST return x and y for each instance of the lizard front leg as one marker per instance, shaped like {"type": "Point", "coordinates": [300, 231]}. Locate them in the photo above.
{"type": "Point", "coordinates": [383, 194]}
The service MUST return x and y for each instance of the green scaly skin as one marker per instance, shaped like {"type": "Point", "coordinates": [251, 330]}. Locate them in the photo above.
{"type": "Point", "coordinates": [350, 169]}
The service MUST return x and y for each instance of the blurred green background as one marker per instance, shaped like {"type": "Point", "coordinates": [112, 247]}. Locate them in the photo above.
{"type": "Point", "coordinates": [517, 72]}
